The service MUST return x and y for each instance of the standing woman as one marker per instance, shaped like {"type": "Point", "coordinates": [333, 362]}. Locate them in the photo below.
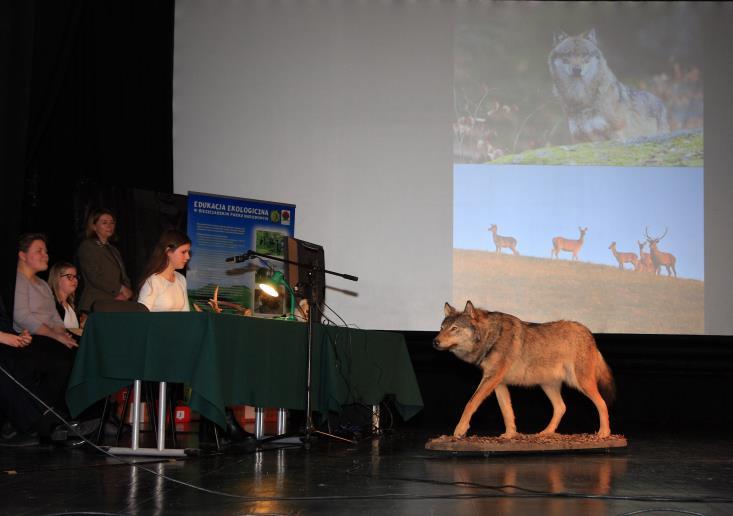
{"type": "Point", "coordinates": [63, 280]}
{"type": "Point", "coordinates": [164, 288]}
{"type": "Point", "coordinates": [100, 263]}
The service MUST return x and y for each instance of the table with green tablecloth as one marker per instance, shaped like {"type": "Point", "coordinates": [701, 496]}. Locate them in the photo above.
{"type": "Point", "coordinates": [231, 360]}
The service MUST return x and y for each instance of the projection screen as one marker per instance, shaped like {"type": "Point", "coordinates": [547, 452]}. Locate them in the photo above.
{"type": "Point", "coordinates": [417, 138]}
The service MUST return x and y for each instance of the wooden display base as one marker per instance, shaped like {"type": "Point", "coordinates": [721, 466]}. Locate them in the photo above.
{"type": "Point", "coordinates": [532, 443]}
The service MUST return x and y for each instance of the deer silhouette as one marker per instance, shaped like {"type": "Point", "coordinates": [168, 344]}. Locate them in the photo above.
{"type": "Point", "coordinates": [660, 258]}
{"type": "Point", "coordinates": [565, 244]}
{"type": "Point", "coordinates": [503, 241]}
{"type": "Point", "coordinates": [645, 259]}
{"type": "Point", "coordinates": [623, 258]}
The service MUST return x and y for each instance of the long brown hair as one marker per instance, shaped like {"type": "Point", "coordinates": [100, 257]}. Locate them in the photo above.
{"type": "Point", "coordinates": [170, 240]}
{"type": "Point", "coordinates": [54, 273]}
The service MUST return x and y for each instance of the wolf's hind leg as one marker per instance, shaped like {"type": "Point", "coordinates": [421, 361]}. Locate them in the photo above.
{"type": "Point", "coordinates": [558, 406]}
{"type": "Point", "coordinates": [505, 404]}
{"type": "Point", "coordinates": [589, 387]}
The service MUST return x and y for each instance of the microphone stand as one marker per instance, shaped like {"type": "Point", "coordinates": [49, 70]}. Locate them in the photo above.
{"type": "Point", "coordinates": [309, 427]}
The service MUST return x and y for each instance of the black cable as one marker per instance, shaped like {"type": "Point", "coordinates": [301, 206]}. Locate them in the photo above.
{"type": "Point", "coordinates": [352, 391]}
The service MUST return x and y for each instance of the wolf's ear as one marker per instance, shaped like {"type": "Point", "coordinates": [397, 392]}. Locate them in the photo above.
{"type": "Point", "coordinates": [470, 310]}
{"type": "Point", "coordinates": [449, 310]}
{"type": "Point", "coordinates": [591, 36]}
{"type": "Point", "coordinates": [558, 37]}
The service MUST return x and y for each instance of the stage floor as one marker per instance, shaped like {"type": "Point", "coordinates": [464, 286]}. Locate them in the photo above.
{"type": "Point", "coordinates": [393, 474]}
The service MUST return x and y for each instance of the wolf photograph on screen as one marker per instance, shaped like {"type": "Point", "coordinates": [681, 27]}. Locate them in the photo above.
{"type": "Point", "coordinates": [513, 352]}
{"type": "Point", "coordinates": [599, 106]}
{"type": "Point", "coordinates": [539, 83]}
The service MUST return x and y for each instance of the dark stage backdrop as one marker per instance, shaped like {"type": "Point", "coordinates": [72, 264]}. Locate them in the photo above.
{"type": "Point", "coordinates": [85, 96]}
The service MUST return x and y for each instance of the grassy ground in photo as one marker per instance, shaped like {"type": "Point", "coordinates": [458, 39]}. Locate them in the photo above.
{"type": "Point", "coordinates": [604, 298]}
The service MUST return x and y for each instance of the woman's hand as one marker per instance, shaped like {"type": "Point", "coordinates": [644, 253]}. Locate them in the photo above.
{"type": "Point", "coordinates": [125, 294]}
{"type": "Point", "coordinates": [16, 341]}
{"type": "Point", "coordinates": [65, 338]}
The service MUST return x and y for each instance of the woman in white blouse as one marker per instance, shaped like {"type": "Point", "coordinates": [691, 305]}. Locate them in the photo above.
{"type": "Point", "coordinates": [63, 280]}
{"type": "Point", "coordinates": [164, 288]}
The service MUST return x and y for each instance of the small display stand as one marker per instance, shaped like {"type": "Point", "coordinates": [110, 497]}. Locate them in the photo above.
{"type": "Point", "coordinates": [532, 443]}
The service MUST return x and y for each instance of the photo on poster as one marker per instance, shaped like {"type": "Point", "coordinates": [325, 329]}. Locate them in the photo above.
{"type": "Point", "coordinates": [270, 242]}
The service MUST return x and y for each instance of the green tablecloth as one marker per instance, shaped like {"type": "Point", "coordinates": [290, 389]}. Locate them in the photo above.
{"type": "Point", "coordinates": [229, 360]}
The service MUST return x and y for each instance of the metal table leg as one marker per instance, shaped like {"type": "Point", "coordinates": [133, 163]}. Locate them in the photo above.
{"type": "Point", "coordinates": [134, 448]}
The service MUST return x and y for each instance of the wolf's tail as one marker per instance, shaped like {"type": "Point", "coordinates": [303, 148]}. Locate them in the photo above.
{"type": "Point", "coordinates": [606, 385]}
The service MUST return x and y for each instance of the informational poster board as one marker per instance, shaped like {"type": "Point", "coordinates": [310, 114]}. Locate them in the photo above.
{"type": "Point", "coordinates": [222, 228]}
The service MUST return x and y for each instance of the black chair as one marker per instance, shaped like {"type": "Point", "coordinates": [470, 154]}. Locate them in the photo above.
{"type": "Point", "coordinates": [114, 305]}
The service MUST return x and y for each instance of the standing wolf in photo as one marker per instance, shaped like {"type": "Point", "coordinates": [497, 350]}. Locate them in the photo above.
{"type": "Point", "coordinates": [513, 352]}
{"type": "Point", "coordinates": [599, 106]}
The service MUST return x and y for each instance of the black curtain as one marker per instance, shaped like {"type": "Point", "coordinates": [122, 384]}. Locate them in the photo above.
{"type": "Point", "coordinates": [85, 98]}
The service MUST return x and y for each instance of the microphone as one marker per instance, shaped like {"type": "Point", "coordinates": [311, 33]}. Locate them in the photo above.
{"type": "Point", "coordinates": [239, 259]}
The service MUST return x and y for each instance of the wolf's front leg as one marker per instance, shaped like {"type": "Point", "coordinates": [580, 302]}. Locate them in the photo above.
{"type": "Point", "coordinates": [484, 389]}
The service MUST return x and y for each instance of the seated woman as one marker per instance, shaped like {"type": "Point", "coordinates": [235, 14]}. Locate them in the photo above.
{"type": "Point", "coordinates": [63, 280]}
{"type": "Point", "coordinates": [164, 290]}
{"type": "Point", "coordinates": [100, 263]}
{"type": "Point", "coordinates": [18, 413]}
{"type": "Point", "coordinates": [35, 308]}
{"type": "Point", "coordinates": [24, 419]}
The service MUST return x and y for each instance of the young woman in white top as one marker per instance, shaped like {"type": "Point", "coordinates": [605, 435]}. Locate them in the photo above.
{"type": "Point", "coordinates": [63, 280]}
{"type": "Point", "coordinates": [164, 289]}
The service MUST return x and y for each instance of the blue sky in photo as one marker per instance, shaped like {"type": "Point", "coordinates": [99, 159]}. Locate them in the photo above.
{"type": "Point", "coordinates": [536, 203]}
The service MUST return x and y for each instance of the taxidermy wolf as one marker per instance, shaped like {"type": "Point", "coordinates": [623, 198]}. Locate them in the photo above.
{"type": "Point", "coordinates": [513, 352]}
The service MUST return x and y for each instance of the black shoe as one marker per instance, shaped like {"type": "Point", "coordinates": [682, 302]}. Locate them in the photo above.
{"type": "Point", "coordinates": [75, 429]}
{"type": "Point", "coordinates": [71, 442]}
{"type": "Point", "coordinates": [235, 432]}
{"type": "Point", "coordinates": [8, 431]}
{"type": "Point", "coordinates": [20, 440]}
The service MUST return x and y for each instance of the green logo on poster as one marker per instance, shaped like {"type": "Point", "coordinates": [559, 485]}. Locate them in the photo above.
{"type": "Point", "coordinates": [275, 216]}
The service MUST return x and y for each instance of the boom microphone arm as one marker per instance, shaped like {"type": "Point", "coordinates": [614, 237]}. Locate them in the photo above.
{"type": "Point", "coordinates": [251, 254]}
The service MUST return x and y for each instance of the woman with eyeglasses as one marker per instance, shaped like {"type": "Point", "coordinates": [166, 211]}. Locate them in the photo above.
{"type": "Point", "coordinates": [63, 280]}
{"type": "Point", "coordinates": [100, 263]}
